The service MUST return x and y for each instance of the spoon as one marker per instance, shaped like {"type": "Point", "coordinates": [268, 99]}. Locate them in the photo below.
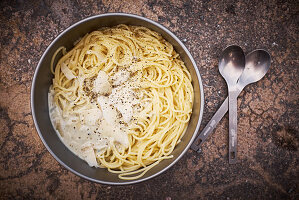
{"type": "Point", "coordinates": [231, 67]}
{"type": "Point", "coordinates": [256, 66]}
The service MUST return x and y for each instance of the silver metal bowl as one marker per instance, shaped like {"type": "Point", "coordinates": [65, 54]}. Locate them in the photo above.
{"type": "Point", "coordinates": [43, 79]}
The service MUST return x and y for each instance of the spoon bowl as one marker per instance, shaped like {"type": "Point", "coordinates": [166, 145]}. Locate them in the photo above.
{"type": "Point", "coordinates": [257, 64]}
{"type": "Point", "coordinates": [231, 64]}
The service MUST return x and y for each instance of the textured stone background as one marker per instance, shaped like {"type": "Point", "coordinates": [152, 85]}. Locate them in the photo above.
{"type": "Point", "coordinates": [268, 110]}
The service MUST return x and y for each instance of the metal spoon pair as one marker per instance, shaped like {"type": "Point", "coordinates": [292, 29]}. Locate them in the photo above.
{"type": "Point", "coordinates": [238, 71]}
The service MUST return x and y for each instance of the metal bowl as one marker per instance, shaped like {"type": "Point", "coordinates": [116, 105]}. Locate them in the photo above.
{"type": "Point", "coordinates": [43, 79]}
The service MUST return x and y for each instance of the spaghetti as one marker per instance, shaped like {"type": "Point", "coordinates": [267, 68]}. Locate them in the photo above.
{"type": "Point", "coordinates": [121, 99]}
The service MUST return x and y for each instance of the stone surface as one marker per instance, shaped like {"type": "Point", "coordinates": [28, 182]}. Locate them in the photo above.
{"type": "Point", "coordinates": [268, 110]}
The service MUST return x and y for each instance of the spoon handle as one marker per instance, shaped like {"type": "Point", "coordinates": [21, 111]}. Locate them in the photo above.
{"type": "Point", "coordinates": [207, 131]}
{"type": "Point", "coordinates": [210, 126]}
{"type": "Point", "coordinates": [233, 117]}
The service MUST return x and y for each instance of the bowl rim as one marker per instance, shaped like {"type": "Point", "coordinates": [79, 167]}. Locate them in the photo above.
{"type": "Point", "coordinates": [160, 27]}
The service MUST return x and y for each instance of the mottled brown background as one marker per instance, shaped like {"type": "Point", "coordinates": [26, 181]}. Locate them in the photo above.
{"type": "Point", "coordinates": [268, 111]}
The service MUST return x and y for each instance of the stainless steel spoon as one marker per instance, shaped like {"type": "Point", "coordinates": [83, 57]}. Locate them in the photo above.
{"type": "Point", "coordinates": [257, 64]}
{"type": "Point", "coordinates": [231, 67]}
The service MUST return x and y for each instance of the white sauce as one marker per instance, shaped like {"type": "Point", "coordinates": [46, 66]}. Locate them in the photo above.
{"type": "Point", "coordinates": [94, 128]}
{"type": "Point", "coordinates": [123, 99]}
{"type": "Point", "coordinates": [120, 77]}
{"type": "Point", "coordinates": [101, 84]}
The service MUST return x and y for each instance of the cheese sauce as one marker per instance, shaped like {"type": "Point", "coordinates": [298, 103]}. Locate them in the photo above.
{"type": "Point", "coordinates": [90, 131]}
